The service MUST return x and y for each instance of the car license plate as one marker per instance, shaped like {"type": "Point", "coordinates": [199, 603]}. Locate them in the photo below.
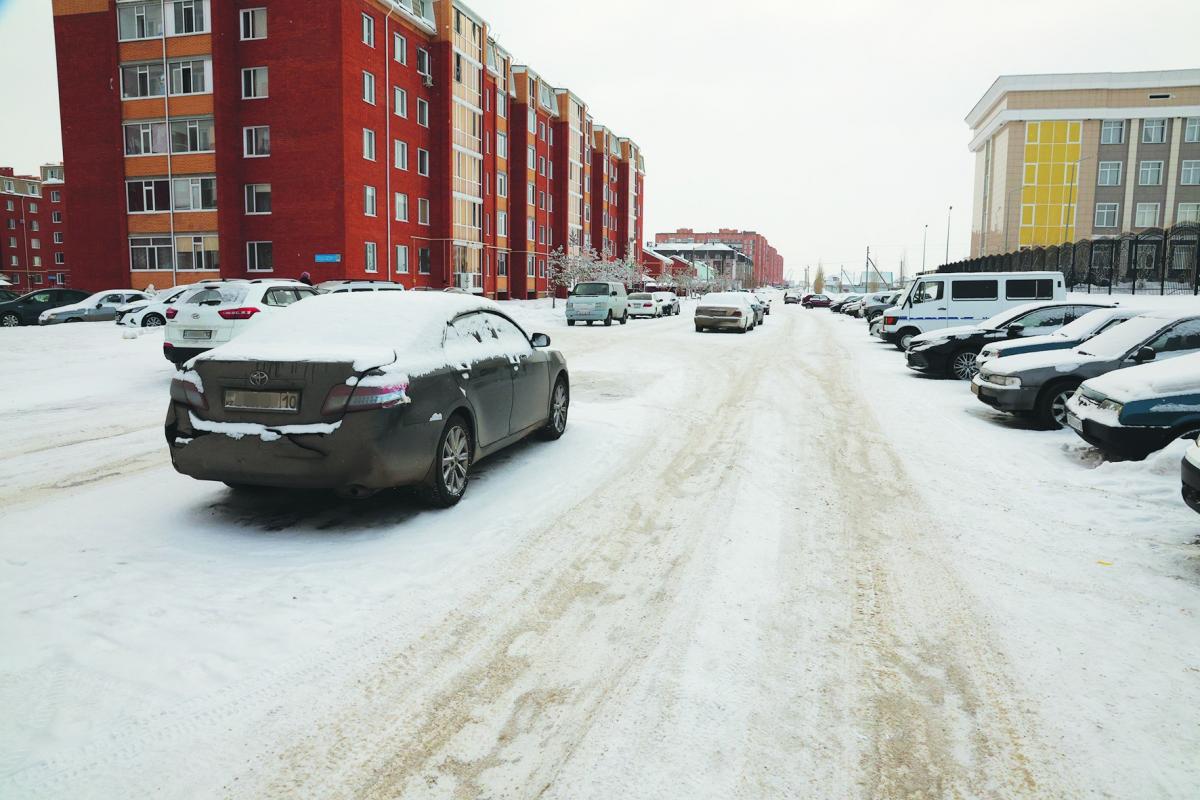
{"type": "Point", "coordinates": [197, 334]}
{"type": "Point", "coordinates": [1074, 422]}
{"type": "Point", "coordinates": [246, 400]}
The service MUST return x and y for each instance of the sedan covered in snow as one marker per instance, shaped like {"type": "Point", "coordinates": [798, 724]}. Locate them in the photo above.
{"type": "Point", "coordinates": [99, 307]}
{"type": "Point", "coordinates": [362, 392]}
{"type": "Point", "coordinates": [1133, 412]}
{"type": "Point", "coordinates": [1067, 337]}
{"type": "Point", "coordinates": [726, 311]}
{"type": "Point", "coordinates": [1042, 383]}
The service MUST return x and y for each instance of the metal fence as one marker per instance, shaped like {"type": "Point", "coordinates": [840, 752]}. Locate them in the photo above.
{"type": "Point", "coordinates": [1155, 261]}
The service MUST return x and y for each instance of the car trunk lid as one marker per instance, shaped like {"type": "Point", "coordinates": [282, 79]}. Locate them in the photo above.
{"type": "Point", "coordinates": [271, 392]}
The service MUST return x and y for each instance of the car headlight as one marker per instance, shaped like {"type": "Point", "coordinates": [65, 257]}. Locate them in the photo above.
{"type": "Point", "coordinates": [1002, 380]}
{"type": "Point", "coordinates": [1113, 406]}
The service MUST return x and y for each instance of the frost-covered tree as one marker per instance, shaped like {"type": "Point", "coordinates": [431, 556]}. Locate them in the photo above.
{"type": "Point", "coordinates": [819, 281]}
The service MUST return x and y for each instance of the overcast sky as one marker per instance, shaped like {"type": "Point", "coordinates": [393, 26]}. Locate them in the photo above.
{"type": "Point", "coordinates": [827, 127]}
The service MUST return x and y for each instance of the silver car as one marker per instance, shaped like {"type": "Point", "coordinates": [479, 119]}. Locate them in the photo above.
{"type": "Point", "coordinates": [99, 307]}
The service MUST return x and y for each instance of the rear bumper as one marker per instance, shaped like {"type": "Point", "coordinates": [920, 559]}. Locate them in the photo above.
{"type": "Point", "coordinates": [643, 312]}
{"type": "Point", "coordinates": [720, 322]}
{"type": "Point", "coordinates": [371, 449]}
{"type": "Point", "coordinates": [1190, 478]}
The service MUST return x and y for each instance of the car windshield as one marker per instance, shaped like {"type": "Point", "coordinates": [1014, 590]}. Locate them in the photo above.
{"type": "Point", "coordinates": [1116, 342]}
{"type": "Point", "coordinates": [216, 295]}
{"type": "Point", "coordinates": [591, 289]}
{"type": "Point", "coordinates": [1085, 324]}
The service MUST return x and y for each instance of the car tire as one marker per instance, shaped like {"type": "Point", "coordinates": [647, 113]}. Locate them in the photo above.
{"type": "Point", "coordinates": [153, 321]}
{"type": "Point", "coordinates": [73, 319]}
{"type": "Point", "coordinates": [451, 464]}
{"type": "Point", "coordinates": [560, 406]}
{"type": "Point", "coordinates": [962, 365]}
{"type": "Point", "coordinates": [1050, 408]}
{"type": "Point", "coordinates": [10, 321]}
{"type": "Point", "coordinates": [624, 318]}
{"type": "Point", "coordinates": [608, 320]}
{"type": "Point", "coordinates": [699, 329]}
{"type": "Point", "coordinates": [570, 323]}
{"type": "Point", "coordinates": [905, 337]}
{"type": "Point", "coordinates": [589, 322]}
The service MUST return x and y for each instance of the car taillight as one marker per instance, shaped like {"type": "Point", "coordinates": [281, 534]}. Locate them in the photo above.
{"type": "Point", "coordinates": [344, 398]}
{"type": "Point", "coordinates": [171, 312]}
{"type": "Point", "coordinates": [185, 391]}
{"type": "Point", "coordinates": [647, 305]}
{"type": "Point", "coordinates": [238, 313]}
{"type": "Point", "coordinates": [736, 314]}
{"type": "Point", "coordinates": [890, 320]}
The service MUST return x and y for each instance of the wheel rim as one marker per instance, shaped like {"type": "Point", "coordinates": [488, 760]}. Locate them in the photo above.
{"type": "Point", "coordinates": [560, 407]}
{"type": "Point", "coordinates": [456, 459]}
{"type": "Point", "coordinates": [153, 321]}
{"type": "Point", "coordinates": [10, 321]}
{"type": "Point", "coordinates": [1058, 407]}
{"type": "Point", "coordinates": [906, 340]}
{"type": "Point", "coordinates": [964, 366]}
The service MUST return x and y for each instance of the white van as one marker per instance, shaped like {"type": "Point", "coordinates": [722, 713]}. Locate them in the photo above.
{"type": "Point", "coordinates": [942, 299]}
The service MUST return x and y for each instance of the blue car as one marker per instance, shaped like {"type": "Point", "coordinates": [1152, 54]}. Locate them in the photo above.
{"type": "Point", "coordinates": [1130, 413]}
{"type": "Point", "coordinates": [1067, 337]}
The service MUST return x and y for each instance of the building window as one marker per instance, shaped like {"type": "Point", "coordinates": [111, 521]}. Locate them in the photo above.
{"type": "Point", "coordinates": [60, 258]}
{"type": "Point", "coordinates": [531, 157]}
{"type": "Point", "coordinates": [56, 216]}
{"type": "Point", "coordinates": [502, 264]}
{"type": "Point", "coordinates": [422, 162]}
{"type": "Point", "coordinates": [531, 193]}
{"type": "Point", "coordinates": [1189, 212]}
{"type": "Point", "coordinates": [1191, 131]}
{"type": "Point", "coordinates": [402, 259]}
{"type": "Point", "coordinates": [56, 197]}
{"type": "Point", "coordinates": [58, 237]}
{"type": "Point", "coordinates": [258, 198]}
{"type": "Point", "coordinates": [400, 52]}
{"type": "Point", "coordinates": [368, 30]}
{"type": "Point", "coordinates": [502, 223]}
{"type": "Point", "coordinates": [1112, 131]}
{"type": "Point", "coordinates": [1106, 215]}
{"type": "Point", "coordinates": [148, 196]}
{"type": "Point", "coordinates": [401, 154]}
{"type": "Point", "coordinates": [194, 194]}
{"type": "Point", "coordinates": [34, 226]}
{"type": "Point", "coordinates": [500, 104]}
{"type": "Point", "coordinates": [150, 253]}
{"type": "Point", "coordinates": [501, 145]}
{"type": "Point", "coordinates": [259, 257]}
{"type": "Point", "coordinates": [400, 100]}
{"type": "Point", "coordinates": [189, 77]}
{"type": "Point", "coordinates": [35, 244]}
{"type": "Point", "coordinates": [423, 66]}
{"type": "Point", "coordinates": [529, 266]}
{"type": "Point", "coordinates": [192, 136]}
{"type": "Point", "coordinates": [37, 261]}
{"type": "Point", "coordinates": [256, 141]}
{"type": "Point", "coordinates": [401, 207]}
{"type": "Point", "coordinates": [531, 119]}
{"type": "Point", "coordinates": [254, 83]}
{"type": "Point", "coordinates": [139, 21]}
{"type": "Point", "coordinates": [254, 23]}
{"type": "Point", "coordinates": [423, 211]}
{"type": "Point", "coordinates": [370, 261]}
{"type": "Point", "coordinates": [422, 112]}
{"type": "Point", "coordinates": [198, 252]}
{"type": "Point", "coordinates": [1189, 175]}
{"type": "Point", "coordinates": [529, 229]}
{"type": "Point", "coordinates": [368, 144]}
{"type": "Point", "coordinates": [368, 93]}
{"type": "Point", "coordinates": [189, 17]}
{"type": "Point", "coordinates": [1150, 173]}
{"type": "Point", "coordinates": [369, 201]}
{"type": "Point", "coordinates": [501, 185]}
{"type": "Point", "coordinates": [145, 138]}
{"type": "Point", "coordinates": [542, 200]}
{"type": "Point", "coordinates": [143, 80]}
{"type": "Point", "coordinates": [1154, 131]}
{"type": "Point", "coordinates": [1147, 215]}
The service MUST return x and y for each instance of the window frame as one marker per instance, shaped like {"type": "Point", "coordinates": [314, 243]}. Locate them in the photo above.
{"type": "Point", "coordinates": [254, 247]}
{"type": "Point", "coordinates": [249, 14]}
{"type": "Point", "coordinates": [252, 72]}
{"type": "Point", "coordinates": [253, 190]}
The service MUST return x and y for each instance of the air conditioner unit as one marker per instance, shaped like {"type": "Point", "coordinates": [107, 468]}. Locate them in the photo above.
{"type": "Point", "coordinates": [428, 79]}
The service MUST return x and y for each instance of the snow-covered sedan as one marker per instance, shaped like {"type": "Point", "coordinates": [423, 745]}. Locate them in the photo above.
{"type": "Point", "coordinates": [668, 301]}
{"type": "Point", "coordinates": [151, 312]}
{"type": "Point", "coordinates": [1131, 413]}
{"type": "Point", "coordinates": [725, 311]}
{"type": "Point", "coordinates": [1042, 383]}
{"type": "Point", "coordinates": [214, 313]}
{"type": "Point", "coordinates": [362, 392]}
{"type": "Point", "coordinates": [1070, 335]}
{"type": "Point", "coordinates": [99, 307]}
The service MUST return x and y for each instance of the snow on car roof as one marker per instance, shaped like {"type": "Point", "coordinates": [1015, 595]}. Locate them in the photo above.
{"type": "Point", "coordinates": [367, 329]}
{"type": "Point", "coordinates": [736, 298]}
{"type": "Point", "coordinates": [1156, 379]}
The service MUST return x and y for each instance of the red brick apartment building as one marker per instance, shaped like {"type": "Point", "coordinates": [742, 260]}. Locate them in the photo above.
{"type": "Point", "coordinates": [33, 229]}
{"type": "Point", "coordinates": [768, 263]}
{"type": "Point", "coordinates": [390, 139]}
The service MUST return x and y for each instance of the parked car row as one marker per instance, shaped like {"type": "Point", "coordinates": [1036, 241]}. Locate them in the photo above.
{"type": "Point", "coordinates": [1126, 379]}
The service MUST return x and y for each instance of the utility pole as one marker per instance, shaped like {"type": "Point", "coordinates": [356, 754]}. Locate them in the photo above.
{"type": "Point", "coordinates": [924, 241]}
{"type": "Point", "coordinates": [947, 261]}
{"type": "Point", "coordinates": [806, 283]}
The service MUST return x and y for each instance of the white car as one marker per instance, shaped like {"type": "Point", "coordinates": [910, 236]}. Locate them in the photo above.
{"type": "Point", "coordinates": [150, 312]}
{"type": "Point", "coordinates": [644, 304]}
{"type": "Point", "coordinates": [99, 307]}
{"type": "Point", "coordinates": [211, 314]}
{"type": "Point", "coordinates": [669, 301]}
{"type": "Point", "coordinates": [341, 287]}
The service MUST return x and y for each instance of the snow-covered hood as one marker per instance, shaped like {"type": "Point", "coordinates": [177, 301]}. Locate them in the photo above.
{"type": "Point", "coordinates": [1057, 360]}
{"type": "Point", "coordinates": [1156, 379]}
{"type": "Point", "coordinates": [947, 333]}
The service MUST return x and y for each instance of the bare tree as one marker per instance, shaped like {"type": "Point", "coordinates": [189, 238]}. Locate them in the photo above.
{"type": "Point", "coordinates": [819, 281]}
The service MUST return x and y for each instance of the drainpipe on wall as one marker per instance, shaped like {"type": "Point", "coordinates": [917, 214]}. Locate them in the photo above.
{"type": "Point", "coordinates": [387, 154]}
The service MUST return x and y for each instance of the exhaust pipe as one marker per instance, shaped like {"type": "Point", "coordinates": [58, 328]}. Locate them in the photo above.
{"type": "Point", "coordinates": [356, 492]}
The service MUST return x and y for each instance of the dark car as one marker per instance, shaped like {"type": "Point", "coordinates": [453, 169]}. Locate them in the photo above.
{"type": "Point", "coordinates": [1190, 477]}
{"type": "Point", "coordinates": [952, 352]}
{"type": "Point", "coordinates": [791, 299]}
{"type": "Point", "coordinates": [25, 309]}
{"type": "Point", "coordinates": [876, 304]}
{"type": "Point", "coordinates": [362, 392]}
{"type": "Point", "coordinates": [817, 301]}
{"type": "Point", "coordinates": [6, 295]}
{"type": "Point", "coordinates": [839, 306]}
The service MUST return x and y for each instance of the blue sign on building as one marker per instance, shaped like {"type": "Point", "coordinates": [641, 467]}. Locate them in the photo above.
{"type": "Point", "coordinates": [328, 258]}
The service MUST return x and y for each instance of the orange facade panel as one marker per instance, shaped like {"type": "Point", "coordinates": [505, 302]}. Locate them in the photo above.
{"type": "Point", "coordinates": [149, 223]}
{"type": "Point", "coordinates": [195, 221]}
{"type": "Point", "coordinates": [146, 50]}
{"type": "Point", "coordinates": [141, 166]}
{"type": "Point", "coordinates": [193, 105]}
{"type": "Point", "coordinates": [177, 46]}
{"type": "Point", "coordinates": [65, 8]}
{"type": "Point", "coordinates": [162, 278]}
{"type": "Point", "coordinates": [194, 164]}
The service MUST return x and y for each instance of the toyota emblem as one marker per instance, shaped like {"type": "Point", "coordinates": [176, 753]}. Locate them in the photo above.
{"type": "Point", "coordinates": [259, 378]}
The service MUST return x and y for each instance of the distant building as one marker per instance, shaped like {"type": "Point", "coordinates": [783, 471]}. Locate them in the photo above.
{"type": "Point", "coordinates": [33, 228]}
{"type": "Point", "coordinates": [768, 263]}
{"type": "Point", "coordinates": [725, 262]}
{"type": "Point", "coordinates": [1059, 158]}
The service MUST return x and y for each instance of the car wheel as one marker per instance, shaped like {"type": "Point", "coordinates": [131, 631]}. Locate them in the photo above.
{"type": "Point", "coordinates": [570, 323]}
{"type": "Point", "coordinates": [963, 365]}
{"type": "Point", "coordinates": [10, 321]}
{"type": "Point", "coordinates": [451, 464]}
{"type": "Point", "coordinates": [608, 319]}
{"type": "Point", "coordinates": [905, 339]}
{"type": "Point", "coordinates": [589, 322]}
{"type": "Point", "coordinates": [1051, 409]}
{"type": "Point", "coordinates": [624, 318]}
{"type": "Point", "coordinates": [153, 321]}
{"type": "Point", "coordinates": [560, 405]}
{"type": "Point", "coordinates": [699, 329]}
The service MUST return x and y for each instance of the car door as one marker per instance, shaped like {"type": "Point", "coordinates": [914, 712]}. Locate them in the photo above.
{"type": "Point", "coordinates": [105, 309]}
{"type": "Point", "coordinates": [32, 306]}
{"type": "Point", "coordinates": [530, 371]}
{"type": "Point", "coordinates": [1181, 339]}
{"type": "Point", "coordinates": [487, 375]}
{"type": "Point", "coordinates": [929, 304]}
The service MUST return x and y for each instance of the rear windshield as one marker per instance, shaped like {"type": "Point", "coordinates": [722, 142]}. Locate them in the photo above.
{"type": "Point", "coordinates": [216, 295]}
{"type": "Point", "coordinates": [592, 289]}
{"type": "Point", "coordinates": [639, 297]}
{"type": "Point", "coordinates": [725, 299]}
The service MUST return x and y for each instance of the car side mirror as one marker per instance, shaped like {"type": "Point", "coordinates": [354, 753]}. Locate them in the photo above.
{"type": "Point", "coordinates": [1014, 331]}
{"type": "Point", "coordinates": [614, 294]}
{"type": "Point", "coordinates": [539, 340]}
{"type": "Point", "coordinates": [1144, 354]}
{"type": "Point", "coordinates": [100, 304]}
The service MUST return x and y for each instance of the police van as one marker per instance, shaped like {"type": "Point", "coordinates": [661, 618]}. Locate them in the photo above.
{"type": "Point", "coordinates": [938, 300]}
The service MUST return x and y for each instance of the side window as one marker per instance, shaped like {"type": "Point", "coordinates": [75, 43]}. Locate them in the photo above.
{"type": "Point", "coordinates": [1029, 289]}
{"type": "Point", "coordinates": [1054, 317]}
{"type": "Point", "coordinates": [44, 297]}
{"type": "Point", "coordinates": [1182, 338]}
{"type": "Point", "coordinates": [303, 293]}
{"type": "Point", "coordinates": [1112, 323]}
{"type": "Point", "coordinates": [509, 336]}
{"type": "Point", "coordinates": [928, 292]}
{"type": "Point", "coordinates": [280, 297]}
{"type": "Point", "coordinates": [113, 299]}
{"type": "Point", "coordinates": [974, 290]}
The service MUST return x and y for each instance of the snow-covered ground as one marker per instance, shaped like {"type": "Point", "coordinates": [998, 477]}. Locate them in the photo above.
{"type": "Point", "coordinates": [766, 565]}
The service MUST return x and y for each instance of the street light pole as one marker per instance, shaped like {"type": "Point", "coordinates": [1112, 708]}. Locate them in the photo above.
{"type": "Point", "coordinates": [924, 240]}
{"type": "Point", "coordinates": [947, 261]}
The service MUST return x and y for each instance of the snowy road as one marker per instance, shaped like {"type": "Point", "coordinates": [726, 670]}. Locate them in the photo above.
{"type": "Point", "coordinates": [759, 566]}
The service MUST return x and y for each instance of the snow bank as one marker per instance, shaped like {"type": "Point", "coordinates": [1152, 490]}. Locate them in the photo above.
{"type": "Point", "coordinates": [1156, 379]}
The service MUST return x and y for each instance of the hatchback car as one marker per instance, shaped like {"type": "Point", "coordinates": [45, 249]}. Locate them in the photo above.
{"type": "Point", "coordinates": [99, 307]}
{"type": "Point", "coordinates": [1042, 383]}
{"type": "Point", "coordinates": [1133, 412]}
{"type": "Point", "coordinates": [26, 309]}
{"type": "Point", "coordinates": [725, 311]}
{"type": "Point", "coordinates": [791, 298]}
{"type": "Point", "coordinates": [214, 313]}
{"type": "Point", "coordinates": [362, 392]}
